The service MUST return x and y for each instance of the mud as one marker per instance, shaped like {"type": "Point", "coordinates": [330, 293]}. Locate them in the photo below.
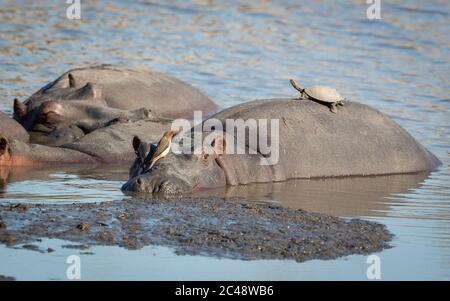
{"type": "Point", "coordinates": [215, 227]}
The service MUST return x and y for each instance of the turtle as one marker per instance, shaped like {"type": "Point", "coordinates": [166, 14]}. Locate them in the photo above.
{"type": "Point", "coordinates": [321, 94]}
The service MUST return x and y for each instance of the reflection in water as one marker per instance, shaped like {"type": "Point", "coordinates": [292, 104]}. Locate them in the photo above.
{"type": "Point", "coordinates": [349, 197]}
{"type": "Point", "coordinates": [241, 50]}
{"type": "Point", "coordinates": [63, 184]}
{"type": "Point", "coordinates": [354, 196]}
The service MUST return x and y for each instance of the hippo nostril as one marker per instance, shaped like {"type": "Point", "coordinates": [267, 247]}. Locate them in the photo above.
{"type": "Point", "coordinates": [155, 186]}
{"type": "Point", "coordinates": [159, 187]}
{"type": "Point", "coordinates": [139, 184]}
{"type": "Point", "coordinates": [171, 187]}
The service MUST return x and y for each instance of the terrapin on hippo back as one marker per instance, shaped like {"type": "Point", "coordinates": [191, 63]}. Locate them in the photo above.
{"type": "Point", "coordinates": [306, 144]}
{"type": "Point", "coordinates": [322, 94]}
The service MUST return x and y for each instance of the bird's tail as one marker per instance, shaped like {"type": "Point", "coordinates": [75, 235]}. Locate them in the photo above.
{"type": "Point", "coordinates": [151, 164]}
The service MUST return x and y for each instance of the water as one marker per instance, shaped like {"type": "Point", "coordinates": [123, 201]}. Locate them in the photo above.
{"type": "Point", "coordinates": [235, 51]}
{"type": "Point", "coordinates": [63, 184]}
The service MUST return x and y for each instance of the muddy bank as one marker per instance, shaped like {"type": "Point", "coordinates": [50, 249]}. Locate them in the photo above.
{"type": "Point", "coordinates": [217, 227]}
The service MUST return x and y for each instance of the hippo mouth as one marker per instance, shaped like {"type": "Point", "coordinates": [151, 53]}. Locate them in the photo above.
{"type": "Point", "coordinates": [40, 137]}
{"type": "Point", "coordinates": [56, 136]}
{"type": "Point", "coordinates": [156, 185]}
{"type": "Point", "coordinates": [41, 128]}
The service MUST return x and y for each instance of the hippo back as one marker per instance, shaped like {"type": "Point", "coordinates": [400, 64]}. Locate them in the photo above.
{"type": "Point", "coordinates": [11, 129]}
{"type": "Point", "coordinates": [128, 89]}
{"type": "Point", "coordinates": [314, 142]}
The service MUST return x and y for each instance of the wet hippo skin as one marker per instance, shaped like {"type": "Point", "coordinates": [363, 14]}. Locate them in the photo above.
{"type": "Point", "coordinates": [111, 144]}
{"type": "Point", "coordinates": [91, 114]}
{"type": "Point", "coordinates": [314, 143]}
{"type": "Point", "coordinates": [91, 97]}
{"type": "Point", "coordinates": [11, 129]}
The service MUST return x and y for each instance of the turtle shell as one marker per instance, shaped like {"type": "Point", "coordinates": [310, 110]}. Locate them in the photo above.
{"type": "Point", "coordinates": [324, 94]}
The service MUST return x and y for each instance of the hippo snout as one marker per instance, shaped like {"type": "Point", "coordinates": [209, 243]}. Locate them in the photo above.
{"type": "Point", "coordinates": [147, 184]}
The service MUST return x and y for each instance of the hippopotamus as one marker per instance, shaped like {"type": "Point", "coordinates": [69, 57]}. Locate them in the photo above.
{"type": "Point", "coordinates": [11, 129]}
{"type": "Point", "coordinates": [312, 143]}
{"type": "Point", "coordinates": [79, 118]}
{"type": "Point", "coordinates": [79, 98]}
{"type": "Point", "coordinates": [107, 145]}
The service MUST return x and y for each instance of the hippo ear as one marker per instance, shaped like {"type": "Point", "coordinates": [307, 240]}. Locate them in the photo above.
{"type": "Point", "coordinates": [95, 90]}
{"type": "Point", "coordinates": [90, 90]}
{"type": "Point", "coordinates": [136, 144]}
{"type": "Point", "coordinates": [140, 148]}
{"type": "Point", "coordinates": [51, 106]}
{"type": "Point", "coordinates": [20, 110]}
{"type": "Point", "coordinates": [3, 145]}
{"type": "Point", "coordinates": [143, 150]}
{"type": "Point", "coordinates": [219, 145]}
{"type": "Point", "coordinates": [73, 83]}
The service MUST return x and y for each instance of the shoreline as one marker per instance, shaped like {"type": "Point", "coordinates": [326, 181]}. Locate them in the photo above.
{"type": "Point", "coordinates": [195, 226]}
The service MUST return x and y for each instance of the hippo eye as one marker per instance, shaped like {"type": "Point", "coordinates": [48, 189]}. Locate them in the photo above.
{"type": "Point", "coordinates": [49, 118]}
{"type": "Point", "coordinates": [204, 156]}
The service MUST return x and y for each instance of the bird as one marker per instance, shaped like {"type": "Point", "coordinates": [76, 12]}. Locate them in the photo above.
{"type": "Point", "coordinates": [162, 148]}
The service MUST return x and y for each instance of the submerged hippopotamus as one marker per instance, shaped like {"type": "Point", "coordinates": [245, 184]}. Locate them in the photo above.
{"type": "Point", "coordinates": [85, 99]}
{"type": "Point", "coordinates": [358, 141]}
{"type": "Point", "coordinates": [11, 129]}
{"type": "Point", "coordinates": [110, 144]}
{"type": "Point", "coordinates": [80, 118]}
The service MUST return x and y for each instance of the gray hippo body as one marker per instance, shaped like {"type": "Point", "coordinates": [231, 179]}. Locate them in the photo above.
{"type": "Point", "coordinates": [88, 98]}
{"type": "Point", "coordinates": [11, 129]}
{"type": "Point", "coordinates": [111, 144]}
{"type": "Point", "coordinates": [358, 141]}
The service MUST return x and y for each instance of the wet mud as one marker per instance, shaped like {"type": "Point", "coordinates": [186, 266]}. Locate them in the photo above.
{"type": "Point", "coordinates": [229, 228]}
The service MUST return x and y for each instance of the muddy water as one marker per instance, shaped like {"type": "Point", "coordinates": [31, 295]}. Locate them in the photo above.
{"type": "Point", "coordinates": [235, 52]}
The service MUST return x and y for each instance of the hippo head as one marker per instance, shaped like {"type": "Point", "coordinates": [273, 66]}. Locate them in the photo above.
{"type": "Point", "coordinates": [36, 108]}
{"type": "Point", "coordinates": [59, 136]}
{"type": "Point", "coordinates": [51, 123]}
{"type": "Point", "coordinates": [176, 173]}
{"type": "Point", "coordinates": [45, 111]}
